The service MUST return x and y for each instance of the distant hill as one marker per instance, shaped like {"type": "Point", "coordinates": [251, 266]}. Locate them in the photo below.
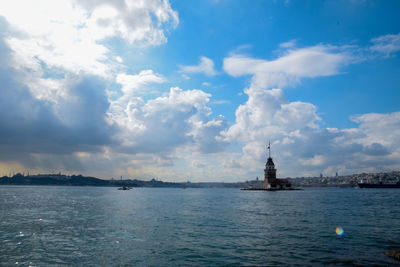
{"type": "Point", "coordinates": [79, 180]}
{"type": "Point", "coordinates": [53, 179]}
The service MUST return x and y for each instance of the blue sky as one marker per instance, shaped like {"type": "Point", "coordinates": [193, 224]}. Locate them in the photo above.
{"type": "Point", "coordinates": [193, 90]}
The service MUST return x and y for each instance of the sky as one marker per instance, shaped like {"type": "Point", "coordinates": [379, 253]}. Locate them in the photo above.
{"type": "Point", "coordinates": [195, 90]}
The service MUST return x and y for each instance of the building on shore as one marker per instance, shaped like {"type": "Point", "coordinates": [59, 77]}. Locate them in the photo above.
{"type": "Point", "coordinates": [270, 180]}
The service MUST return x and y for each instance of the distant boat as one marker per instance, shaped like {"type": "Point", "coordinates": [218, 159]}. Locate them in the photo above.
{"type": "Point", "coordinates": [362, 184]}
{"type": "Point", "coordinates": [125, 188]}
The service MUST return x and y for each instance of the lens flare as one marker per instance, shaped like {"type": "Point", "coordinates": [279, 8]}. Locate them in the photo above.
{"type": "Point", "coordinates": [339, 231]}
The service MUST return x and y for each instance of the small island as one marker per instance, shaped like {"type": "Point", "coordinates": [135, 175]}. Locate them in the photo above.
{"type": "Point", "coordinates": [271, 183]}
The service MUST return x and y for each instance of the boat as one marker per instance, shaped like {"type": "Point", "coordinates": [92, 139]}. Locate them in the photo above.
{"type": "Point", "coordinates": [125, 188]}
{"type": "Point", "coordinates": [378, 185]}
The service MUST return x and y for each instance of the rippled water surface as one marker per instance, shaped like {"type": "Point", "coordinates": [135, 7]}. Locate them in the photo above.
{"type": "Point", "coordinates": [92, 226]}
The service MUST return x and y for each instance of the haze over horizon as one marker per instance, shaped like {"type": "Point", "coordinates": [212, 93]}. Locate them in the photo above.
{"type": "Point", "coordinates": [194, 90]}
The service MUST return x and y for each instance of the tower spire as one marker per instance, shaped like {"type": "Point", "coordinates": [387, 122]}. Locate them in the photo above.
{"type": "Point", "coordinates": [269, 148]}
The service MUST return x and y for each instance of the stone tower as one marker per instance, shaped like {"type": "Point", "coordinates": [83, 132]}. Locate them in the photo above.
{"type": "Point", "coordinates": [269, 171]}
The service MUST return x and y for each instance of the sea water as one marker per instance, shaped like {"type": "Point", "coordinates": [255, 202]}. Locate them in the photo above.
{"type": "Point", "coordinates": [103, 226]}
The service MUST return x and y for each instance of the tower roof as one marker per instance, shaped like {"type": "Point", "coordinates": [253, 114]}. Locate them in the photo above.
{"type": "Point", "coordinates": [270, 162]}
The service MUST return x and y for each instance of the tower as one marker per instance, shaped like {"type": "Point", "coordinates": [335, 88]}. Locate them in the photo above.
{"type": "Point", "coordinates": [269, 171]}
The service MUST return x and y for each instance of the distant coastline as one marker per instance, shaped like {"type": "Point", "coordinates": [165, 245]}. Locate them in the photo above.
{"type": "Point", "coordinates": [80, 180]}
{"type": "Point", "coordinates": [347, 180]}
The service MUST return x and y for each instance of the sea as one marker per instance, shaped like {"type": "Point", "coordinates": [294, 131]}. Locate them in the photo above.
{"type": "Point", "coordinates": [103, 226]}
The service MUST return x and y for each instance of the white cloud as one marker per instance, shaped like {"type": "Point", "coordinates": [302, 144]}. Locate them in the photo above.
{"type": "Point", "coordinates": [134, 21]}
{"type": "Point", "coordinates": [66, 36]}
{"type": "Point", "coordinates": [53, 48]}
{"type": "Point", "coordinates": [386, 44]}
{"type": "Point", "coordinates": [205, 66]}
{"type": "Point", "coordinates": [317, 160]}
{"type": "Point", "coordinates": [380, 128]}
{"type": "Point", "coordinates": [55, 45]}
{"type": "Point", "coordinates": [61, 67]}
{"type": "Point", "coordinates": [165, 123]}
{"type": "Point", "coordinates": [268, 115]}
{"type": "Point", "coordinates": [186, 77]}
{"type": "Point", "coordinates": [300, 145]}
{"type": "Point", "coordinates": [306, 62]}
{"type": "Point", "coordinates": [221, 102]}
{"type": "Point", "coordinates": [288, 44]}
{"type": "Point", "coordinates": [130, 83]}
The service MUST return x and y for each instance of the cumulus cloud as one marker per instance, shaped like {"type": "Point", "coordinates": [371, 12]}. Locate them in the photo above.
{"type": "Point", "coordinates": [268, 115]}
{"type": "Point", "coordinates": [206, 66]}
{"type": "Point", "coordinates": [87, 131]}
{"type": "Point", "coordinates": [56, 70]}
{"type": "Point", "coordinates": [305, 148]}
{"type": "Point", "coordinates": [380, 128]}
{"type": "Point", "coordinates": [68, 34]}
{"type": "Point", "coordinates": [29, 125]}
{"type": "Point", "coordinates": [307, 151]}
{"type": "Point", "coordinates": [134, 21]}
{"type": "Point", "coordinates": [365, 148]}
{"type": "Point", "coordinates": [55, 111]}
{"type": "Point", "coordinates": [165, 123]}
{"type": "Point", "coordinates": [52, 45]}
{"type": "Point", "coordinates": [386, 44]}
